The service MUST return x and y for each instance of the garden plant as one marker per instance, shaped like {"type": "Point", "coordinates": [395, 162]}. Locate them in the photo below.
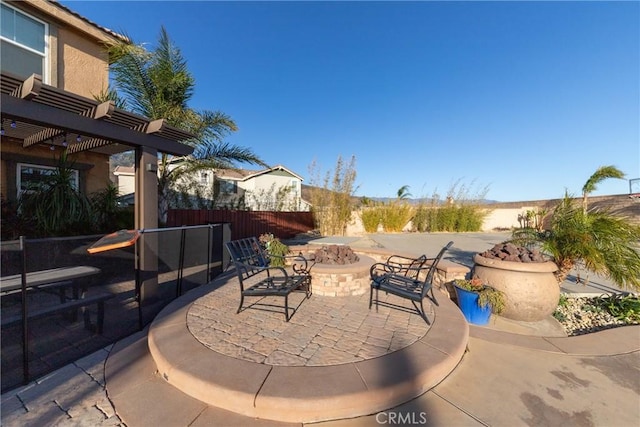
{"type": "Point", "coordinates": [487, 296]}
{"type": "Point", "coordinates": [594, 239]}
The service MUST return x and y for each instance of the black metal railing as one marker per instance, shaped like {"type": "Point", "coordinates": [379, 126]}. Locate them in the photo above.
{"type": "Point", "coordinates": [136, 282]}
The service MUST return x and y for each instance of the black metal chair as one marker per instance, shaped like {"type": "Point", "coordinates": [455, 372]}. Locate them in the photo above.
{"type": "Point", "coordinates": [250, 259]}
{"type": "Point", "coordinates": [412, 283]}
{"type": "Point", "coordinates": [398, 264]}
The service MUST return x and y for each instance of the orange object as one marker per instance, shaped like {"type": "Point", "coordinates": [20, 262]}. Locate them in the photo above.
{"type": "Point", "coordinates": [119, 239]}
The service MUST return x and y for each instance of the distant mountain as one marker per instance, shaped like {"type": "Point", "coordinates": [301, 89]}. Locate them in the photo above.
{"type": "Point", "coordinates": [307, 189]}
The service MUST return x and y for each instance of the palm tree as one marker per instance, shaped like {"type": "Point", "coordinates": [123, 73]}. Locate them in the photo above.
{"type": "Point", "coordinates": [158, 85]}
{"type": "Point", "coordinates": [598, 176]}
{"type": "Point", "coordinates": [403, 192]}
{"type": "Point", "coordinates": [604, 243]}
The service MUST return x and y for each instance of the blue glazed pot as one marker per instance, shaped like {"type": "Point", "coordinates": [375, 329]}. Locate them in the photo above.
{"type": "Point", "coordinates": [468, 303]}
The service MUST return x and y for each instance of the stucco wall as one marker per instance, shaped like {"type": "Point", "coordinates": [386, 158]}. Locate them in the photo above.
{"type": "Point", "coordinates": [83, 65]}
{"type": "Point", "coordinates": [504, 218]}
{"type": "Point", "coordinates": [93, 168]}
{"type": "Point", "coordinates": [505, 215]}
{"type": "Point", "coordinates": [619, 204]}
{"type": "Point", "coordinates": [77, 63]}
{"type": "Point", "coordinates": [126, 183]}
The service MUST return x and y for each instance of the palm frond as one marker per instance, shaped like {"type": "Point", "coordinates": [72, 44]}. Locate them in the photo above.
{"type": "Point", "coordinates": [602, 173]}
{"type": "Point", "coordinates": [110, 94]}
{"type": "Point", "coordinates": [226, 153]}
{"type": "Point", "coordinates": [604, 243]}
{"type": "Point", "coordinates": [159, 85]}
{"type": "Point", "coordinates": [168, 70]}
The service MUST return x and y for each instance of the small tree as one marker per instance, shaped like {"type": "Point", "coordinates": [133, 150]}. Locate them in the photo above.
{"type": "Point", "coordinates": [54, 206]}
{"type": "Point", "coordinates": [604, 243]}
{"type": "Point", "coordinates": [332, 197]}
{"type": "Point", "coordinates": [104, 207]}
{"type": "Point", "coordinates": [403, 192]}
{"type": "Point", "coordinates": [158, 85]}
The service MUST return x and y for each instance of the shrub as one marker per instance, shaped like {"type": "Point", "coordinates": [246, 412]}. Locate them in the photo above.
{"type": "Point", "coordinates": [625, 308]}
{"type": "Point", "coordinates": [487, 296]}
{"type": "Point", "coordinates": [55, 206]}
{"type": "Point", "coordinates": [275, 248]}
{"type": "Point", "coordinates": [459, 212]}
{"type": "Point", "coordinates": [395, 216]}
{"type": "Point", "coordinates": [332, 200]}
{"type": "Point", "coordinates": [371, 218]}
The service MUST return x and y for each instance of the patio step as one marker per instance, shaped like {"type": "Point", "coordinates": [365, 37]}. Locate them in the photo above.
{"type": "Point", "coordinates": [179, 372]}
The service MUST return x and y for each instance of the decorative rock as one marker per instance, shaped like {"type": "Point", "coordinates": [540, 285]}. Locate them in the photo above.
{"type": "Point", "coordinates": [579, 316]}
{"type": "Point", "coordinates": [513, 253]}
{"type": "Point", "coordinates": [335, 254]}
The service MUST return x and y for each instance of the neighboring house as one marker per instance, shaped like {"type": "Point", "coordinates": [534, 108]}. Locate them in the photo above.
{"type": "Point", "coordinates": [66, 50]}
{"type": "Point", "coordinates": [125, 179]}
{"type": "Point", "coordinates": [272, 189]}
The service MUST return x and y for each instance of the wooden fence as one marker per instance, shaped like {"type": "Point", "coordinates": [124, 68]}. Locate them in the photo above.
{"type": "Point", "coordinates": [283, 225]}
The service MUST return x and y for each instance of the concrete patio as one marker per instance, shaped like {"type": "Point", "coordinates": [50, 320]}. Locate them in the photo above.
{"type": "Point", "coordinates": [513, 373]}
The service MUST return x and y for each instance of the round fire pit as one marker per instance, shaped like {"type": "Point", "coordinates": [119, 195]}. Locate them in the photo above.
{"type": "Point", "coordinates": [338, 271]}
{"type": "Point", "coordinates": [341, 280]}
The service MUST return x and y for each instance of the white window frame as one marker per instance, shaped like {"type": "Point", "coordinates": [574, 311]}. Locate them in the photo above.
{"type": "Point", "coordinates": [45, 54]}
{"type": "Point", "coordinates": [20, 166]}
{"type": "Point", "coordinates": [205, 178]}
{"type": "Point", "coordinates": [228, 186]}
{"type": "Point", "coordinates": [295, 188]}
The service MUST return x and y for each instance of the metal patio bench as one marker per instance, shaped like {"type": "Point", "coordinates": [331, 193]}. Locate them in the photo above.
{"type": "Point", "coordinates": [251, 260]}
{"type": "Point", "coordinates": [411, 283]}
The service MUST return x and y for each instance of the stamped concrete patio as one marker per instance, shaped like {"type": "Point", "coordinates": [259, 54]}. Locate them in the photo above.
{"type": "Point", "coordinates": [512, 374]}
{"type": "Point", "coordinates": [335, 359]}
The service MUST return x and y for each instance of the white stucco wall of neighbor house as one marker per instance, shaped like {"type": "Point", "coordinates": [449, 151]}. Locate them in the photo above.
{"type": "Point", "coordinates": [504, 218]}
{"type": "Point", "coordinates": [271, 183]}
{"type": "Point", "coordinates": [125, 179]}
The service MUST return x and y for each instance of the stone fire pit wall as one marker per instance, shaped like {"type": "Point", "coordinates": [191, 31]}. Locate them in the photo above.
{"type": "Point", "coordinates": [341, 280]}
{"type": "Point", "coordinates": [353, 279]}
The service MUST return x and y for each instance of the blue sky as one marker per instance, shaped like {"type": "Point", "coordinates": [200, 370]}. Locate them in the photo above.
{"type": "Point", "coordinates": [525, 99]}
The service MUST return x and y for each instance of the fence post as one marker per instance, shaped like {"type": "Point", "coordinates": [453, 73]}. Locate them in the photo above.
{"type": "Point", "coordinates": [181, 262]}
{"type": "Point", "coordinates": [25, 324]}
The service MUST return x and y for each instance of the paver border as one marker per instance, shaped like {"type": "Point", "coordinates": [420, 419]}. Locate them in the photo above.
{"type": "Point", "coordinates": [304, 394]}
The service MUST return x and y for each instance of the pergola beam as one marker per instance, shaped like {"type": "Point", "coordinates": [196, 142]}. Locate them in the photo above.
{"type": "Point", "coordinates": [104, 110]}
{"type": "Point", "coordinates": [88, 144]}
{"type": "Point", "coordinates": [41, 136]}
{"type": "Point", "coordinates": [100, 111]}
{"type": "Point", "coordinates": [30, 88]}
{"type": "Point", "coordinates": [48, 116]}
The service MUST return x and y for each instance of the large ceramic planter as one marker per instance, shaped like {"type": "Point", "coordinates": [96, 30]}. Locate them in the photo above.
{"type": "Point", "coordinates": [531, 290]}
{"type": "Point", "coordinates": [468, 304]}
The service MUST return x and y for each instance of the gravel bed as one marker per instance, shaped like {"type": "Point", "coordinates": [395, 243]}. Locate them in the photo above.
{"type": "Point", "coordinates": [580, 316]}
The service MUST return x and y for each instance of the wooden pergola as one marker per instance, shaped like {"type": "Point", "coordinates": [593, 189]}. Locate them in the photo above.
{"type": "Point", "coordinates": [36, 113]}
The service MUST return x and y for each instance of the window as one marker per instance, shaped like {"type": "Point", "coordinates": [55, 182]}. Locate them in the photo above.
{"type": "Point", "coordinates": [294, 186]}
{"type": "Point", "coordinates": [228, 187]}
{"type": "Point", "coordinates": [204, 178]}
{"type": "Point", "coordinates": [22, 43]}
{"type": "Point", "coordinates": [30, 176]}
